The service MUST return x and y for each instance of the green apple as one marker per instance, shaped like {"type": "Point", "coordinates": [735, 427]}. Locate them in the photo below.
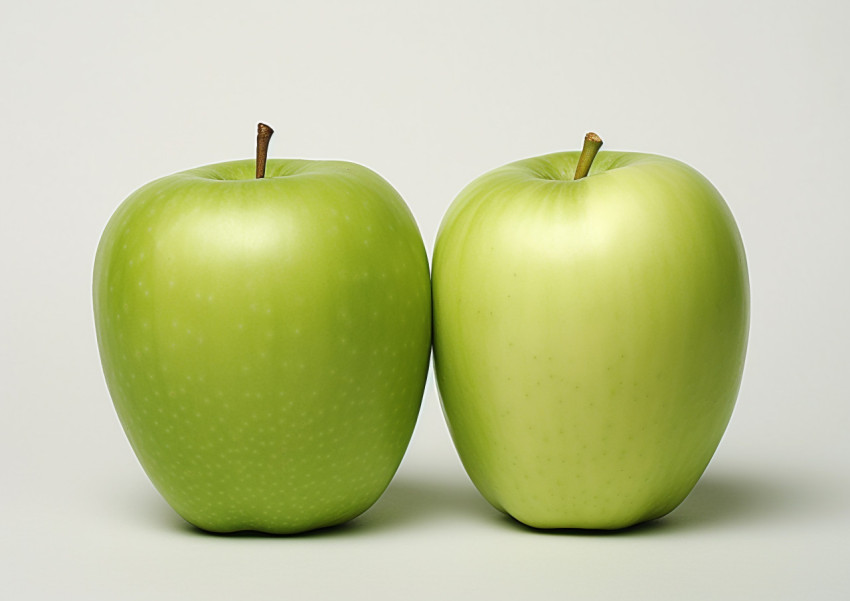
{"type": "Point", "coordinates": [265, 340]}
{"type": "Point", "coordinates": [589, 334]}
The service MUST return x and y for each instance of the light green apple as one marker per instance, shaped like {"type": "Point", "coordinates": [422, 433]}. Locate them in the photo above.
{"type": "Point", "coordinates": [265, 341]}
{"type": "Point", "coordinates": [589, 335]}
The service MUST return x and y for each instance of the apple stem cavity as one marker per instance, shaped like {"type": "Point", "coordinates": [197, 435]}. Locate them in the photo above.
{"type": "Point", "coordinates": [592, 144]}
{"type": "Point", "coordinates": [264, 134]}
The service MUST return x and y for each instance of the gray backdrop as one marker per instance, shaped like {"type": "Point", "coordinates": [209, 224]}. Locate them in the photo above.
{"type": "Point", "coordinates": [100, 97]}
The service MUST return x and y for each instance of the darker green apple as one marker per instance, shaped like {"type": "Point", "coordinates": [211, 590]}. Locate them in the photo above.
{"type": "Point", "coordinates": [265, 341]}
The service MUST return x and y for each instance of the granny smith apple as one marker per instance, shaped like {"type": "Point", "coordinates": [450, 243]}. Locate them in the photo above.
{"type": "Point", "coordinates": [265, 336]}
{"type": "Point", "coordinates": [589, 334]}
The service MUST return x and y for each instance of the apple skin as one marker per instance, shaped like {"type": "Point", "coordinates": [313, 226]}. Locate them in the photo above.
{"type": "Point", "coordinates": [265, 341]}
{"type": "Point", "coordinates": [589, 335]}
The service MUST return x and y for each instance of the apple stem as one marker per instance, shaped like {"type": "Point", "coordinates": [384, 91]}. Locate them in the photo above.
{"type": "Point", "coordinates": [264, 134]}
{"type": "Point", "coordinates": [592, 144]}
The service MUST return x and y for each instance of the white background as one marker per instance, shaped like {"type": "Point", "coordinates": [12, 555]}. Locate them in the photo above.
{"type": "Point", "coordinates": [100, 97]}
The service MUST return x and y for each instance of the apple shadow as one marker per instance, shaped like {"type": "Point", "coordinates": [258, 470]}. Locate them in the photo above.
{"type": "Point", "coordinates": [409, 500]}
{"type": "Point", "coordinates": [721, 499]}
{"type": "Point", "coordinates": [412, 500]}
{"type": "Point", "coordinates": [727, 499]}
{"type": "Point", "coordinates": [759, 497]}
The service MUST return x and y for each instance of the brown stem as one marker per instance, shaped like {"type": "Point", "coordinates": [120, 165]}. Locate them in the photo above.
{"type": "Point", "coordinates": [592, 144]}
{"type": "Point", "coordinates": [264, 134]}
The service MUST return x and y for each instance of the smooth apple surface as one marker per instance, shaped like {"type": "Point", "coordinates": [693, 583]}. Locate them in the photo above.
{"type": "Point", "coordinates": [265, 341]}
{"type": "Point", "coordinates": [589, 335]}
